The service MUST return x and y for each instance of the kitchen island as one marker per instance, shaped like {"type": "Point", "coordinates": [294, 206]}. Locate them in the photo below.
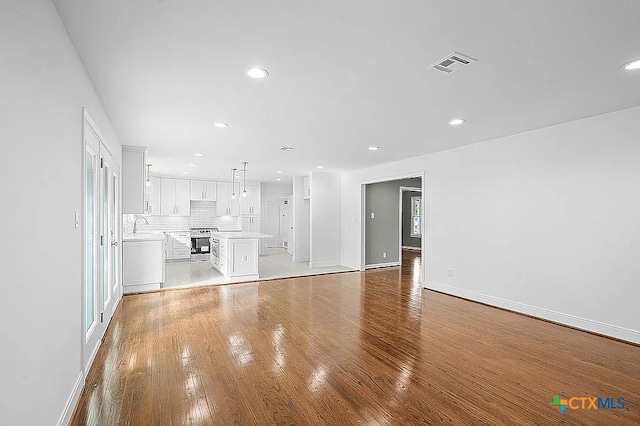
{"type": "Point", "coordinates": [235, 254]}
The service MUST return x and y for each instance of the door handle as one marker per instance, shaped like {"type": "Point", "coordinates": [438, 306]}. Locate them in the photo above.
{"type": "Point", "coordinates": [114, 244]}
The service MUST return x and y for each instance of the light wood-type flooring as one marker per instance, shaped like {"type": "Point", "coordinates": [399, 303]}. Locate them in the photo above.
{"type": "Point", "coordinates": [354, 348]}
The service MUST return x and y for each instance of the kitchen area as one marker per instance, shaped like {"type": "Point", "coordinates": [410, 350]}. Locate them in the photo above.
{"type": "Point", "coordinates": [181, 232]}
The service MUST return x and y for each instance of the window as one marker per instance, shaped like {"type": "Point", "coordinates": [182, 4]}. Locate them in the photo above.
{"type": "Point", "coordinates": [416, 216]}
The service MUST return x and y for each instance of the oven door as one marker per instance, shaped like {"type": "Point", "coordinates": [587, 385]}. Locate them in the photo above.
{"type": "Point", "coordinates": [200, 248]}
{"type": "Point", "coordinates": [215, 248]}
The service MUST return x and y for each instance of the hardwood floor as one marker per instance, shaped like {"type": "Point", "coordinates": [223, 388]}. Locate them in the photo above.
{"type": "Point", "coordinates": [353, 348]}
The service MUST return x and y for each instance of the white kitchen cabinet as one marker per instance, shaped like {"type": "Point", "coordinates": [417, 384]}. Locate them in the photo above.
{"type": "Point", "coordinates": [250, 205]}
{"type": "Point", "coordinates": [174, 197]}
{"type": "Point", "coordinates": [250, 224]}
{"type": "Point", "coordinates": [225, 205]}
{"type": "Point", "coordinates": [179, 246]}
{"type": "Point", "coordinates": [306, 188]}
{"type": "Point", "coordinates": [142, 265]}
{"type": "Point", "coordinates": [204, 190]}
{"type": "Point", "coordinates": [134, 169]}
{"type": "Point", "coordinates": [152, 198]}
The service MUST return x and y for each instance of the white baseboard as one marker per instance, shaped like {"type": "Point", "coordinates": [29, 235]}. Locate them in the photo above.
{"type": "Point", "coordinates": [65, 417]}
{"type": "Point", "coordinates": [559, 317]}
{"type": "Point", "coordinates": [411, 248]}
{"type": "Point", "coordinates": [141, 288]}
{"type": "Point", "coordinates": [300, 259]}
{"type": "Point", "coordinates": [324, 264]}
{"type": "Point", "coordinates": [382, 265]}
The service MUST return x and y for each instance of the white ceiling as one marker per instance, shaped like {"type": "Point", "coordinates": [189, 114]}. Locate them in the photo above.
{"type": "Point", "coordinates": [345, 75]}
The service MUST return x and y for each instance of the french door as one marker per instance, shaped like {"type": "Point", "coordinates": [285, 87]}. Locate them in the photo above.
{"type": "Point", "coordinates": [101, 286]}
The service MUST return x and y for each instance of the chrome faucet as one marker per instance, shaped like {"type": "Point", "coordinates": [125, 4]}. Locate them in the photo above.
{"type": "Point", "coordinates": [135, 223]}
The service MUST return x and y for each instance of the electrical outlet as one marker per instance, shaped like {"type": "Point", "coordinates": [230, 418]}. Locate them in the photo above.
{"type": "Point", "coordinates": [384, 255]}
{"type": "Point", "coordinates": [373, 215]}
{"type": "Point", "coordinates": [450, 272]}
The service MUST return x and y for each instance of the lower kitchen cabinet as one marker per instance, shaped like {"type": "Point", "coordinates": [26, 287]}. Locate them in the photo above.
{"type": "Point", "coordinates": [142, 264]}
{"type": "Point", "coordinates": [179, 246]}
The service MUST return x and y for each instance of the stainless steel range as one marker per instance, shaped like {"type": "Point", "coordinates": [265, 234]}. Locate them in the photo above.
{"type": "Point", "coordinates": [200, 244]}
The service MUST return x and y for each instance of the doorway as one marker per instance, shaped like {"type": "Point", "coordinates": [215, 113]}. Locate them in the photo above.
{"type": "Point", "coordinates": [392, 232]}
{"type": "Point", "coordinates": [101, 240]}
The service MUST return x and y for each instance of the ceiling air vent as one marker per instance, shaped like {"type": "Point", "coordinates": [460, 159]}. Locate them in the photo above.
{"type": "Point", "coordinates": [452, 63]}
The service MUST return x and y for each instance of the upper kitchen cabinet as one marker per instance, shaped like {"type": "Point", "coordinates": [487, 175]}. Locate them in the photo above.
{"type": "Point", "coordinates": [203, 190]}
{"type": "Point", "coordinates": [226, 205]}
{"type": "Point", "coordinates": [134, 170]}
{"type": "Point", "coordinates": [152, 197]}
{"type": "Point", "coordinates": [175, 197]}
{"type": "Point", "coordinates": [306, 188]}
{"type": "Point", "coordinates": [250, 204]}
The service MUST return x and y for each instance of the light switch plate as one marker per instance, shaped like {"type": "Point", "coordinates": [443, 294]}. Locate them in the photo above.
{"type": "Point", "coordinates": [373, 215]}
{"type": "Point", "coordinates": [77, 219]}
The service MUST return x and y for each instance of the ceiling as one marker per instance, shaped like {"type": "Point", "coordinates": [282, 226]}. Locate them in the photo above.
{"type": "Point", "coordinates": [345, 75]}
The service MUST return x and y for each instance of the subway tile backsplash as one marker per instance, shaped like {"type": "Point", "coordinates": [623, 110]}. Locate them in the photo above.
{"type": "Point", "coordinates": [203, 215]}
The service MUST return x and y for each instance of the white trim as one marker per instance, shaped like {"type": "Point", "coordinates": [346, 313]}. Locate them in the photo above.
{"type": "Point", "coordinates": [382, 265]}
{"type": "Point", "coordinates": [401, 217]}
{"type": "Point", "coordinates": [418, 174]}
{"type": "Point", "coordinates": [559, 317]}
{"type": "Point", "coordinates": [295, 259]}
{"type": "Point", "coordinates": [411, 248]}
{"type": "Point", "coordinates": [324, 264]}
{"type": "Point", "coordinates": [138, 288]}
{"type": "Point", "coordinates": [67, 412]}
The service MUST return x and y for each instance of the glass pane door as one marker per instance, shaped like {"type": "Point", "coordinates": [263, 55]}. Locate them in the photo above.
{"type": "Point", "coordinates": [107, 228]}
{"type": "Point", "coordinates": [91, 246]}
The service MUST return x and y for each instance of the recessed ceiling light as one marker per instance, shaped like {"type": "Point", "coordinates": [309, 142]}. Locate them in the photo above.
{"type": "Point", "coordinates": [197, 154]}
{"type": "Point", "coordinates": [374, 148]}
{"type": "Point", "coordinates": [256, 73]}
{"type": "Point", "coordinates": [220, 124]}
{"type": "Point", "coordinates": [280, 172]}
{"type": "Point", "coordinates": [319, 167]}
{"type": "Point", "coordinates": [185, 173]}
{"type": "Point", "coordinates": [633, 65]}
{"type": "Point", "coordinates": [279, 180]}
{"type": "Point", "coordinates": [457, 121]}
{"type": "Point", "coordinates": [192, 164]}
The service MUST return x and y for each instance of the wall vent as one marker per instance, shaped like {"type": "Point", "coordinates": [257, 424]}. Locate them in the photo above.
{"type": "Point", "coordinates": [452, 63]}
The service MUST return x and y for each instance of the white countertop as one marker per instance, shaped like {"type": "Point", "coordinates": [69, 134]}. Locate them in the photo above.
{"type": "Point", "coordinates": [145, 236]}
{"type": "Point", "coordinates": [236, 235]}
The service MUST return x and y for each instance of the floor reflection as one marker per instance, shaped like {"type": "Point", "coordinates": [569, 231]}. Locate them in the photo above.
{"type": "Point", "coordinates": [352, 348]}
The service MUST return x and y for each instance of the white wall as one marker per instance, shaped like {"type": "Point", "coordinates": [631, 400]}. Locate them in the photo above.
{"type": "Point", "coordinates": [301, 223]}
{"type": "Point", "coordinates": [43, 87]}
{"type": "Point", "coordinates": [325, 219]}
{"type": "Point", "coordinates": [543, 222]}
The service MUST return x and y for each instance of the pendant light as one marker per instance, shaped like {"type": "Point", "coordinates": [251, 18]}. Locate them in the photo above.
{"type": "Point", "coordinates": [148, 180]}
{"type": "Point", "coordinates": [244, 178]}
{"type": "Point", "coordinates": [233, 184]}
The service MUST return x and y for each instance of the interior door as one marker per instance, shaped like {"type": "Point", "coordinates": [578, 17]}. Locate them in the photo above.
{"type": "Point", "coordinates": [290, 243]}
{"type": "Point", "coordinates": [110, 240]}
{"type": "Point", "coordinates": [101, 234]}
